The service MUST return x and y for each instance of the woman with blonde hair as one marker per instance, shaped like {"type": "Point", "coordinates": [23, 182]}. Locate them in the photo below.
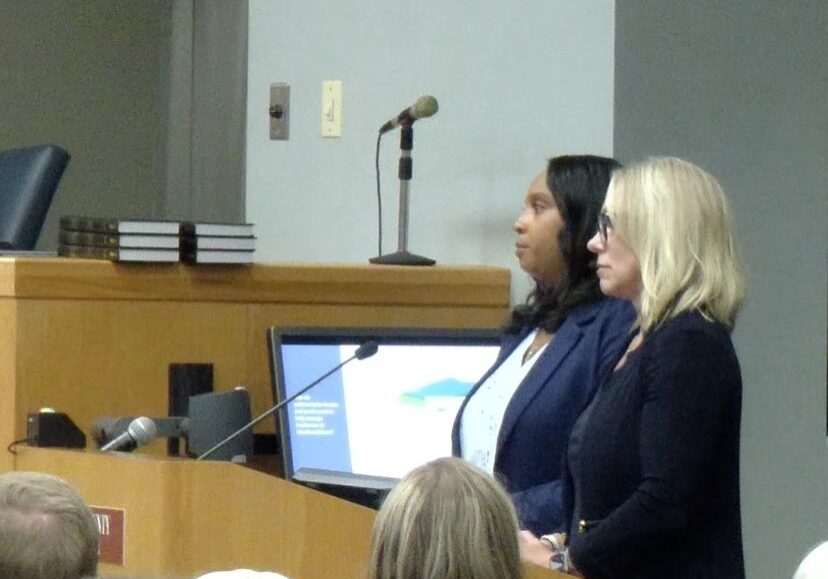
{"type": "Point", "coordinates": [446, 520]}
{"type": "Point", "coordinates": [651, 478]}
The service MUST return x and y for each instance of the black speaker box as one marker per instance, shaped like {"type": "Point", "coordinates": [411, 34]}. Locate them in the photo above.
{"type": "Point", "coordinates": [53, 429]}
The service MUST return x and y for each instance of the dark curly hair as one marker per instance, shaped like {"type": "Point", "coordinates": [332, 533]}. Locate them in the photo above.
{"type": "Point", "coordinates": [578, 183]}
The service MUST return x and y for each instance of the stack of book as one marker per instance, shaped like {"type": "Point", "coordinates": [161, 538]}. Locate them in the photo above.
{"type": "Point", "coordinates": [217, 242]}
{"type": "Point", "coordinates": [139, 240]}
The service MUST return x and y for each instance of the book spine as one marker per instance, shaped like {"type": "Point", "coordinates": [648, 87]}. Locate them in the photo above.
{"type": "Point", "coordinates": [216, 243]}
{"type": "Point", "coordinates": [192, 228]}
{"type": "Point", "coordinates": [89, 224]}
{"type": "Point", "coordinates": [87, 238]}
{"type": "Point", "coordinates": [216, 256]}
{"type": "Point", "coordinates": [187, 244]}
{"type": "Point", "coordinates": [87, 252]}
{"type": "Point", "coordinates": [187, 254]}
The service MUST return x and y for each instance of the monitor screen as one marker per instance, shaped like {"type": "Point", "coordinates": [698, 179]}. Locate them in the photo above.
{"type": "Point", "coordinates": [381, 416]}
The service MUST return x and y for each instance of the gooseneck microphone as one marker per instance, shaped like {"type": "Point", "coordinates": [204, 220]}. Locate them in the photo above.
{"type": "Point", "coordinates": [140, 431]}
{"type": "Point", "coordinates": [425, 107]}
{"type": "Point", "coordinates": [366, 350]}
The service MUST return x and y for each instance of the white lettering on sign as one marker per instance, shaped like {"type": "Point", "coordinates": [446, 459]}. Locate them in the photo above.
{"type": "Point", "coordinates": [103, 523]}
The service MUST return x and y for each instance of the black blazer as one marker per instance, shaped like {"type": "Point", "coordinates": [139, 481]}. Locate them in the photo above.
{"type": "Point", "coordinates": [657, 461]}
{"type": "Point", "coordinates": [532, 438]}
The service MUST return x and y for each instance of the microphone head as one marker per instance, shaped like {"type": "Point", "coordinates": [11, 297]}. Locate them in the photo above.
{"type": "Point", "coordinates": [366, 350]}
{"type": "Point", "coordinates": [425, 106]}
{"type": "Point", "coordinates": [143, 430]}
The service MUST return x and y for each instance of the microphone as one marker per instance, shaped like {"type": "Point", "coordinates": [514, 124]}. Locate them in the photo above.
{"type": "Point", "coordinates": [107, 428]}
{"type": "Point", "coordinates": [425, 106]}
{"type": "Point", "coordinates": [141, 431]}
{"type": "Point", "coordinates": [366, 350]}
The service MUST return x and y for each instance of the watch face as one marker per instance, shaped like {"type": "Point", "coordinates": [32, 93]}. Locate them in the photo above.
{"type": "Point", "coordinates": [557, 562]}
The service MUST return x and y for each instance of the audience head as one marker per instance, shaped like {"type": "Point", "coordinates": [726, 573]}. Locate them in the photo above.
{"type": "Point", "coordinates": [446, 520]}
{"type": "Point", "coordinates": [815, 564]}
{"type": "Point", "coordinates": [241, 574]}
{"type": "Point", "coordinates": [666, 242]}
{"type": "Point", "coordinates": [46, 529]}
{"type": "Point", "coordinates": [560, 214]}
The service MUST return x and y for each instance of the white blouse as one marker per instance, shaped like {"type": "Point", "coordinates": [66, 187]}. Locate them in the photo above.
{"type": "Point", "coordinates": [483, 414]}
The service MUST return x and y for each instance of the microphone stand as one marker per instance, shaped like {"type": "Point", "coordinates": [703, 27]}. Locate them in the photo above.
{"type": "Point", "coordinates": [402, 255]}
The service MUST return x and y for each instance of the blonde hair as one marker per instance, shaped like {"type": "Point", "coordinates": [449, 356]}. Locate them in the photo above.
{"type": "Point", "coordinates": [446, 520]}
{"type": "Point", "coordinates": [675, 217]}
{"type": "Point", "coordinates": [46, 529]}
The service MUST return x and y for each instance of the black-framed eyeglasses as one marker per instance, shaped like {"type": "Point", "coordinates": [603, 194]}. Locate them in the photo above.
{"type": "Point", "coordinates": [604, 225]}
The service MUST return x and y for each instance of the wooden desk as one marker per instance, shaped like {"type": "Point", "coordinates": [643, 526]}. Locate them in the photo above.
{"type": "Point", "coordinates": [93, 338]}
{"type": "Point", "coordinates": [185, 517]}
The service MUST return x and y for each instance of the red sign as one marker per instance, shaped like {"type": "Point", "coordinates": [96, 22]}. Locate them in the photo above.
{"type": "Point", "coordinates": [111, 533]}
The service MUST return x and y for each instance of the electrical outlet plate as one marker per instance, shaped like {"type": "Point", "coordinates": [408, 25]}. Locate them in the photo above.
{"type": "Point", "coordinates": [279, 111]}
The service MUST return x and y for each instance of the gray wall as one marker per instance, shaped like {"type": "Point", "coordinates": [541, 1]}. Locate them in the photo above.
{"type": "Point", "coordinates": [148, 97]}
{"type": "Point", "coordinates": [207, 100]}
{"type": "Point", "coordinates": [740, 88]}
{"type": "Point", "coordinates": [87, 76]}
{"type": "Point", "coordinates": [516, 83]}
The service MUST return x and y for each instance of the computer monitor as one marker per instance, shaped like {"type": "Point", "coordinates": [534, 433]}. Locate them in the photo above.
{"type": "Point", "coordinates": [378, 417]}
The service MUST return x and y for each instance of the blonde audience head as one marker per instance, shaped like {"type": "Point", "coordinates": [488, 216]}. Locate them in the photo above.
{"type": "Point", "coordinates": [446, 520]}
{"type": "Point", "coordinates": [675, 217]}
{"type": "Point", "coordinates": [46, 529]}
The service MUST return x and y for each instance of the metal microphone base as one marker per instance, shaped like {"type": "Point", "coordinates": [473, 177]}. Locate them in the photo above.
{"type": "Point", "coordinates": [402, 258]}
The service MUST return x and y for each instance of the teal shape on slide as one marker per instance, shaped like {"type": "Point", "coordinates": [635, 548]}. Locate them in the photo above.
{"type": "Point", "coordinates": [442, 388]}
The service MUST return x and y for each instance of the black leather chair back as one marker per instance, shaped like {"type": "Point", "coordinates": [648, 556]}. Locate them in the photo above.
{"type": "Point", "coordinates": [28, 180]}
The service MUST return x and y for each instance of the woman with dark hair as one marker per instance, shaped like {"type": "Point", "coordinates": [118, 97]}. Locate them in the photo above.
{"type": "Point", "coordinates": [515, 422]}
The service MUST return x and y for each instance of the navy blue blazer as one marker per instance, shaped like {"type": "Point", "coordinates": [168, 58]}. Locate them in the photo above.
{"type": "Point", "coordinates": [535, 429]}
{"type": "Point", "coordinates": [655, 460]}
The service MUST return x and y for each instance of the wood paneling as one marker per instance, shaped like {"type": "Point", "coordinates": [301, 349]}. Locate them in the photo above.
{"type": "Point", "coordinates": [95, 338]}
{"type": "Point", "coordinates": [184, 517]}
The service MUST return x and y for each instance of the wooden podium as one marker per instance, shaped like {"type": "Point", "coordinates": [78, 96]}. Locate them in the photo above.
{"type": "Point", "coordinates": [95, 338]}
{"type": "Point", "coordinates": [184, 518]}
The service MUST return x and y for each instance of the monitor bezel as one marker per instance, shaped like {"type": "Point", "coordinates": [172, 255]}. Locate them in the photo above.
{"type": "Point", "coordinates": [276, 336]}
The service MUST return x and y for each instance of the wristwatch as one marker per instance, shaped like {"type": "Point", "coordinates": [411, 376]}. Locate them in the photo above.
{"type": "Point", "coordinates": [559, 561]}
